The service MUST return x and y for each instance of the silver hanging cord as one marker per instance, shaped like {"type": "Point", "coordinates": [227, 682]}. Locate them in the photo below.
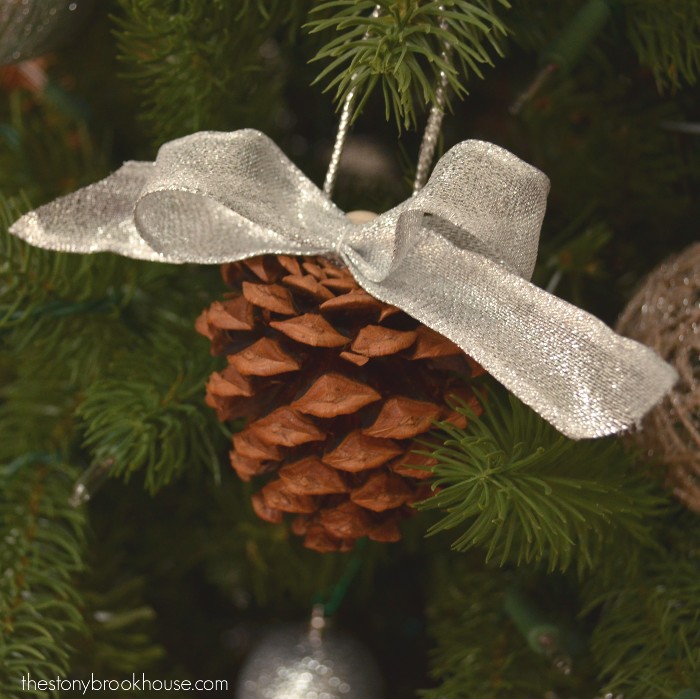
{"type": "Point", "coordinates": [426, 154]}
{"type": "Point", "coordinates": [433, 127]}
{"type": "Point", "coordinates": [343, 130]}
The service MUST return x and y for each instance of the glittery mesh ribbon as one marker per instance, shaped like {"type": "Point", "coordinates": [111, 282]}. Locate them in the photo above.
{"type": "Point", "coordinates": [457, 256]}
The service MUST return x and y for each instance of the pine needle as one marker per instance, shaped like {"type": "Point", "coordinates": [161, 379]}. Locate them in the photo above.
{"type": "Point", "coordinates": [402, 48]}
{"type": "Point", "coordinates": [149, 414]}
{"type": "Point", "coordinates": [42, 551]}
{"type": "Point", "coordinates": [516, 487]}
{"type": "Point", "coordinates": [666, 37]}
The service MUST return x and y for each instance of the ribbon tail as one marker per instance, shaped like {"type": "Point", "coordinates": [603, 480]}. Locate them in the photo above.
{"type": "Point", "coordinates": [96, 218]}
{"type": "Point", "coordinates": [566, 364]}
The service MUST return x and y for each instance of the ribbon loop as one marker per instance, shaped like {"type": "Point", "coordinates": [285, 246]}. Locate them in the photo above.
{"type": "Point", "coordinates": [456, 256]}
{"type": "Point", "coordinates": [499, 199]}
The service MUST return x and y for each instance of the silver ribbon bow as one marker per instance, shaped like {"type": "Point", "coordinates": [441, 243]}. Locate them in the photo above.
{"type": "Point", "coordinates": [457, 256]}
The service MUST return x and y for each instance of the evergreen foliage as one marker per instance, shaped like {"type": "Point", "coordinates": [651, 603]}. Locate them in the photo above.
{"type": "Point", "coordinates": [39, 284]}
{"type": "Point", "coordinates": [99, 362]}
{"type": "Point", "coordinates": [198, 64]}
{"type": "Point", "coordinates": [647, 638]}
{"type": "Point", "coordinates": [664, 36]}
{"type": "Point", "coordinates": [119, 637]}
{"type": "Point", "coordinates": [37, 140]}
{"type": "Point", "coordinates": [527, 494]}
{"type": "Point", "coordinates": [479, 651]}
{"type": "Point", "coordinates": [666, 39]}
{"type": "Point", "coordinates": [147, 414]}
{"type": "Point", "coordinates": [43, 548]}
{"type": "Point", "coordinates": [402, 49]}
{"type": "Point", "coordinates": [637, 633]}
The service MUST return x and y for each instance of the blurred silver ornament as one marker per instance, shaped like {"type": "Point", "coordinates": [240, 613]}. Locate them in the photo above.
{"type": "Point", "coordinates": [301, 661]}
{"type": "Point", "coordinates": [29, 28]}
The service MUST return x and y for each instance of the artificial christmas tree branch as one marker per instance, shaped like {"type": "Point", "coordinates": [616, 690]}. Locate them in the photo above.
{"type": "Point", "coordinates": [480, 649]}
{"type": "Point", "coordinates": [146, 415]}
{"type": "Point", "coordinates": [120, 624]}
{"type": "Point", "coordinates": [667, 42]}
{"type": "Point", "coordinates": [197, 64]}
{"type": "Point", "coordinates": [104, 346]}
{"type": "Point", "coordinates": [403, 49]}
{"type": "Point", "coordinates": [528, 495]}
{"type": "Point", "coordinates": [646, 638]}
{"type": "Point", "coordinates": [36, 286]}
{"type": "Point", "coordinates": [43, 550]}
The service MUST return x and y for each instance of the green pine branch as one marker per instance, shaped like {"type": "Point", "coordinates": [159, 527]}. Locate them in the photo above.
{"type": "Point", "coordinates": [70, 311]}
{"type": "Point", "coordinates": [39, 284]}
{"type": "Point", "coordinates": [45, 152]}
{"type": "Point", "coordinates": [288, 12]}
{"type": "Point", "coordinates": [35, 411]}
{"type": "Point", "coordinates": [646, 641]}
{"type": "Point", "coordinates": [149, 415]}
{"type": "Point", "coordinates": [515, 486]}
{"type": "Point", "coordinates": [120, 625]}
{"type": "Point", "coordinates": [402, 49]}
{"type": "Point", "coordinates": [80, 311]}
{"type": "Point", "coordinates": [666, 37]}
{"type": "Point", "coordinates": [630, 632]}
{"type": "Point", "coordinates": [623, 172]}
{"type": "Point", "coordinates": [43, 547]}
{"type": "Point", "coordinates": [198, 66]}
{"type": "Point", "coordinates": [479, 651]}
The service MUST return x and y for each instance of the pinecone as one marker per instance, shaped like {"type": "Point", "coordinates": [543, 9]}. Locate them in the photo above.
{"type": "Point", "coordinates": [337, 387]}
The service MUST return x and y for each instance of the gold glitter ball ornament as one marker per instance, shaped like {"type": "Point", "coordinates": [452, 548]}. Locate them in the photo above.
{"type": "Point", "coordinates": [665, 315]}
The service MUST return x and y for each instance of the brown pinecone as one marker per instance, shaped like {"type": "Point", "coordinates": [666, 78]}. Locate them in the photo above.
{"type": "Point", "coordinates": [337, 387]}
